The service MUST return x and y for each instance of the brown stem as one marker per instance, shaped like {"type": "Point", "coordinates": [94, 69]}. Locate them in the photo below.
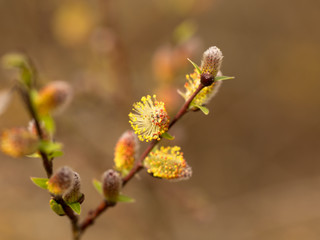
{"type": "Point", "coordinates": [92, 215]}
{"type": "Point", "coordinates": [47, 164]}
{"type": "Point", "coordinates": [73, 218]}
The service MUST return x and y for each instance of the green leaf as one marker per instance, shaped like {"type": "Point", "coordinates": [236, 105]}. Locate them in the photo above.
{"type": "Point", "coordinates": [222, 78]}
{"type": "Point", "coordinates": [56, 207]}
{"type": "Point", "coordinates": [49, 124]}
{"type": "Point", "coordinates": [50, 147]}
{"type": "Point", "coordinates": [34, 95]}
{"type": "Point", "coordinates": [195, 66]}
{"type": "Point", "coordinates": [40, 182]}
{"type": "Point", "coordinates": [203, 109]}
{"type": "Point", "coordinates": [98, 185]}
{"type": "Point", "coordinates": [56, 154]}
{"type": "Point", "coordinates": [75, 207]}
{"type": "Point", "coordinates": [13, 60]}
{"type": "Point", "coordinates": [34, 155]}
{"type": "Point", "coordinates": [123, 198]}
{"type": "Point", "coordinates": [21, 63]}
{"type": "Point", "coordinates": [167, 136]}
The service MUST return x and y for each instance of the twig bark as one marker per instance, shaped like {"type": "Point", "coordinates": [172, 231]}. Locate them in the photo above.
{"type": "Point", "coordinates": [25, 95]}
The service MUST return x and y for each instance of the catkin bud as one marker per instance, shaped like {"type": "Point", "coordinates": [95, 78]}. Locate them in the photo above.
{"type": "Point", "coordinates": [211, 61]}
{"type": "Point", "coordinates": [111, 185]}
{"type": "Point", "coordinates": [18, 142]}
{"type": "Point", "coordinates": [53, 97]}
{"type": "Point", "coordinates": [74, 194]}
{"type": "Point", "coordinates": [125, 151]}
{"type": "Point", "coordinates": [61, 181]}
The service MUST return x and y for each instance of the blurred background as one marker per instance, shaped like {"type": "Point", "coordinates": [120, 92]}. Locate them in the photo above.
{"type": "Point", "coordinates": [255, 160]}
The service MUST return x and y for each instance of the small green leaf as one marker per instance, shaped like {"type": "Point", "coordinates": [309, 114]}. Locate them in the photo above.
{"type": "Point", "coordinates": [21, 63]}
{"type": "Point", "coordinates": [34, 95]}
{"type": "Point", "coordinates": [98, 185]}
{"type": "Point", "coordinates": [49, 123]}
{"type": "Point", "coordinates": [167, 136]}
{"type": "Point", "coordinates": [56, 154]}
{"type": "Point", "coordinates": [195, 66]}
{"type": "Point", "coordinates": [34, 155]}
{"type": "Point", "coordinates": [203, 109]}
{"type": "Point", "coordinates": [40, 182]}
{"type": "Point", "coordinates": [13, 60]}
{"type": "Point", "coordinates": [50, 147]}
{"type": "Point", "coordinates": [56, 207]}
{"type": "Point", "coordinates": [123, 198]}
{"type": "Point", "coordinates": [75, 207]}
{"type": "Point", "coordinates": [222, 78]}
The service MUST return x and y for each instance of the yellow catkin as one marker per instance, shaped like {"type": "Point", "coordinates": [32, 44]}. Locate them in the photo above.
{"type": "Point", "coordinates": [168, 163]}
{"type": "Point", "coordinates": [149, 119]}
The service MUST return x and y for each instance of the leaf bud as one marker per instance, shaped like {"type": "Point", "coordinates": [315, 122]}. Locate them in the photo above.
{"type": "Point", "coordinates": [206, 79]}
{"type": "Point", "coordinates": [125, 152]}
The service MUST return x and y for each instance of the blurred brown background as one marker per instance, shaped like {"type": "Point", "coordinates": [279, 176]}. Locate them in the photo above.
{"type": "Point", "coordinates": [255, 157]}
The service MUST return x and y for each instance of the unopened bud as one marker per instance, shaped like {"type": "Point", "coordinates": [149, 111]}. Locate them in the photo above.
{"type": "Point", "coordinates": [125, 151]}
{"type": "Point", "coordinates": [211, 61]}
{"type": "Point", "coordinates": [53, 97]}
{"type": "Point", "coordinates": [61, 181]}
{"type": "Point", "coordinates": [18, 142]}
{"type": "Point", "coordinates": [206, 79]}
{"type": "Point", "coordinates": [111, 185]}
{"type": "Point", "coordinates": [74, 194]}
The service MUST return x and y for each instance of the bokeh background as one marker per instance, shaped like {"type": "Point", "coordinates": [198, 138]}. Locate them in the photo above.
{"type": "Point", "coordinates": [255, 158]}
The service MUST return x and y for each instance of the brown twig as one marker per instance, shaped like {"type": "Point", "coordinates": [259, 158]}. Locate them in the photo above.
{"type": "Point", "coordinates": [92, 215]}
{"type": "Point", "coordinates": [24, 93]}
{"type": "Point", "coordinates": [73, 218]}
{"type": "Point", "coordinates": [47, 163]}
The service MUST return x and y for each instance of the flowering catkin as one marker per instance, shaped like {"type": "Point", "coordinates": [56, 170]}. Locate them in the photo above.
{"type": "Point", "coordinates": [150, 119]}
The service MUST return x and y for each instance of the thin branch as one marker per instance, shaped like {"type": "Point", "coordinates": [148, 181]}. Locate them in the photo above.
{"type": "Point", "coordinates": [47, 163]}
{"type": "Point", "coordinates": [92, 215]}
{"type": "Point", "coordinates": [25, 95]}
{"type": "Point", "coordinates": [73, 218]}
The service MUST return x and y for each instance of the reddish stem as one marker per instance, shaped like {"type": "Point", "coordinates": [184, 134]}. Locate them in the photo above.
{"type": "Point", "coordinates": [92, 215]}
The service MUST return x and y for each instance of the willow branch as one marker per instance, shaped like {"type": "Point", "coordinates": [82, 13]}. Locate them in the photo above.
{"type": "Point", "coordinates": [24, 93]}
{"type": "Point", "coordinates": [47, 163]}
{"type": "Point", "coordinates": [92, 215]}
